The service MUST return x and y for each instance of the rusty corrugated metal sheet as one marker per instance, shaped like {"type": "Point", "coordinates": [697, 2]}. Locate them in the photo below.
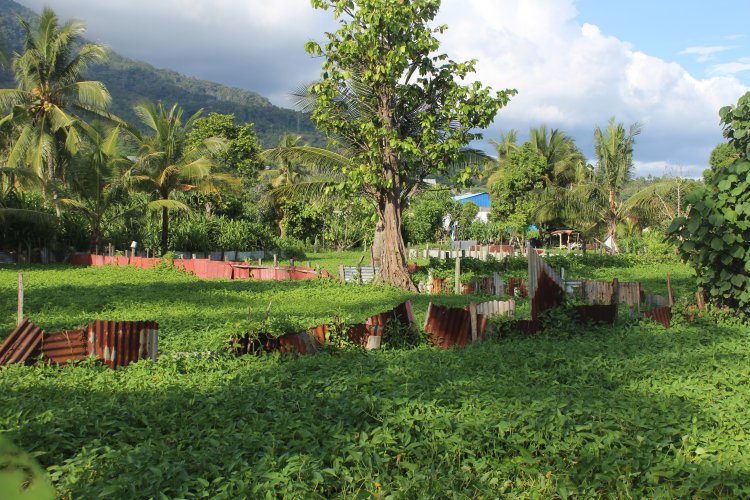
{"type": "Point", "coordinates": [448, 326]}
{"type": "Point", "coordinates": [290, 343]}
{"type": "Point", "coordinates": [656, 300]}
{"type": "Point", "coordinates": [548, 294]}
{"type": "Point", "coordinates": [662, 315]}
{"type": "Point", "coordinates": [600, 292]}
{"type": "Point", "coordinates": [119, 343]}
{"type": "Point", "coordinates": [497, 308]}
{"type": "Point", "coordinates": [528, 327]}
{"type": "Point", "coordinates": [517, 284]}
{"type": "Point", "coordinates": [62, 347]}
{"type": "Point", "coordinates": [597, 313]}
{"type": "Point", "coordinates": [22, 345]}
{"type": "Point", "coordinates": [452, 326]}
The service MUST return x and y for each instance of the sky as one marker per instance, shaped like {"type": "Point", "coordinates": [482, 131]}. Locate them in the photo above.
{"type": "Point", "coordinates": [668, 65]}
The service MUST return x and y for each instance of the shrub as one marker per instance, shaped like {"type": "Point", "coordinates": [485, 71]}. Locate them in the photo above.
{"type": "Point", "coordinates": [714, 238]}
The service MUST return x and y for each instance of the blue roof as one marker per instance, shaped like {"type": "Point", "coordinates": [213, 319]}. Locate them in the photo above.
{"type": "Point", "coordinates": [481, 199]}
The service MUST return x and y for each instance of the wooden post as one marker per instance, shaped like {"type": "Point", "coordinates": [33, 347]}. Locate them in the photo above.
{"type": "Point", "coordinates": [670, 293]}
{"type": "Point", "coordinates": [19, 319]}
{"type": "Point", "coordinates": [342, 274]}
{"type": "Point", "coordinates": [275, 260]}
{"type": "Point", "coordinates": [458, 276]}
{"type": "Point", "coordinates": [639, 299]}
{"type": "Point", "coordinates": [473, 314]}
{"type": "Point", "coordinates": [427, 251]}
{"type": "Point", "coordinates": [260, 262]}
{"type": "Point", "coordinates": [359, 269]}
{"type": "Point", "coordinates": [308, 264]}
{"type": "Point", "coordinates": [701, 299]}
{"type": "Point", "coordinates": [315, 244]}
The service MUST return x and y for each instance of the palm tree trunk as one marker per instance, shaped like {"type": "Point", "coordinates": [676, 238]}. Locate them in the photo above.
{"type": "Point", "coordinates": [164, 230]}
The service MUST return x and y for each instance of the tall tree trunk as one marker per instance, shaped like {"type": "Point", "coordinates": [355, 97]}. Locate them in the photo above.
{"type": "Point", "coordinates": [378, 240]}
{"type": "Point", "coordinates": [612, 222]}
{"type": "Point", "coordinates": [393, 258]}
{"type": "Point", "coordinates": [164, 229]}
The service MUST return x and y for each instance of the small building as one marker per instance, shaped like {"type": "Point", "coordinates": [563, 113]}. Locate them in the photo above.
{"type": "Point", "coordinates": [482, 200]}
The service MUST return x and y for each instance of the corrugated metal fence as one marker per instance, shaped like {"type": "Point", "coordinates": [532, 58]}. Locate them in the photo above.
{"type": "Point", "coordinates": [115, 343]}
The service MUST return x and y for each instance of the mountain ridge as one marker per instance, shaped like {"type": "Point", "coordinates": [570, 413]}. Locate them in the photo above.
{"type": "Point", "coordinates": [130, 81]}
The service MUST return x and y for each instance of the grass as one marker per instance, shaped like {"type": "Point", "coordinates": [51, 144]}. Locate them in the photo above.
{"type": "Point", "coordinates": [629, 411]}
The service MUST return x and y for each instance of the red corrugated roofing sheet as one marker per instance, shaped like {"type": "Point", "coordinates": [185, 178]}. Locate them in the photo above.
{"type": "Point", "coordinates": [119, 343]}
{"type": "Point", "coordinates": [62, 347]}
{"type": "Point", "coordinates": [662, 315]}
{"type": "Point", "coordinates": [452, 326]}
{"type": "Point", "coordinates": [22, 345]}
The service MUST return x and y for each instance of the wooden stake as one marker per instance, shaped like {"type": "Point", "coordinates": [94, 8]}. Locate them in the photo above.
{"type": "Point", "coordinates": [342, 273]}
{"type": "Point", "coordinates": [670, 293]}
{"type": "Point", "coordinates": [473, 314]}
{"type": "Point", "coordinates": [701, 300]}
{"type": "Point", "coordinates": [275, 260]}
{"type": "Point", "coordinates": [19, 319]}
{"type": "Point", "coordinates": [458, 276]}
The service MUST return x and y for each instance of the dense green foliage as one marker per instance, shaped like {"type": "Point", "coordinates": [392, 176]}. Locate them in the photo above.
{"type": "Point", "coordinates": [424, 220]}
{"type": "Point", "coordinates": [632, 410]}
{"type": "Point", "coordinates": [512, 199]}
{"type": "Point", "coordinates": [715, 234]}
{"type": "Point", "coordinates": [735, 120]}
{"type": "Point", "coordinates": [722, 156]}
{"type": "Point", "coordinates": [399, 108]}
{"type": "Point", "coordinates": [241, 154]}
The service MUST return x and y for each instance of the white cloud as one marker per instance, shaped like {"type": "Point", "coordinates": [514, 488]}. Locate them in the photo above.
{"type": "Point", "coordinates": [704, 54]}
{"type": "Point", "coordinates": [572, 76]}
{"type": "Point", "coordinates": [568, 73]}
{"type": "Point", "coordinates": [731, 68]}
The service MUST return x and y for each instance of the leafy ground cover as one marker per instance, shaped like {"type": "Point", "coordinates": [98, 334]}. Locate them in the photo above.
{"type": "Point", "coordinates": [633, 410]}
{"type": "Point", "coordinates": [627, 412]}
{"type": "Point", "coordinates": [193, 314]}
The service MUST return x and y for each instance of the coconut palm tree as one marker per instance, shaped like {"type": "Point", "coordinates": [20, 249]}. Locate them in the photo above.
{"type": "Point", "coordinates": [614, 153]}
{"type": "Point", "coordinates": [595, 200]}
{"type": "Point", "coordinates": [559, 149]}
{"type": "Point", "coordinates": [166, 166]}
{"type": "Point", "coordinates": [50, 92]}
{"type": "Point", "coordinates": [493, 171]}
{"type": "Point", "coordinates": [100, 181]}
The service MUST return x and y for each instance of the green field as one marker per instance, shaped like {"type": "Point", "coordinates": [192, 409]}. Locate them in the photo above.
{"type": "Point", "coordinates": [633, 410]}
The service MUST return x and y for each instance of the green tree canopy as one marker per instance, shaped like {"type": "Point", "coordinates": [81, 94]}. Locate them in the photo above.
{"type": "Point", "coordinates": [417, 115]}
{"type": "Point", "coordinates": [513, 193]}
{"type": "Point", "coordinates": [241, 154]}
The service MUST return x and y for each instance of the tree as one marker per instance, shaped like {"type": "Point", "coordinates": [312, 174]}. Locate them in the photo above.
{"type": "Point", "coordinates": [424, 219]}
{"type": "Point", "coordinates": [513, 194]}
{"type": "Point", "coordinates": [241, 154]}
{"type": "Point", "coordinates": [99, 180]}
{"type": "Point", "coordinates": [417, 114]}
{"type": "Point", "coordinates": [722, 156]}
{"type": "Point", "coordinates": [50, 91]}
{"type": "Point", "coordinates": [714, 237]}
{"type": "Point", "coordinates": [614, 154]}
{"type": "Point", "coordinates": [167, 165]}
{"type": "Point", "coordinates": [735, 121]}
{"type": "Point", "coordinates": [562, 156]}
{"type": "Point", "coordinates": [493, 170]}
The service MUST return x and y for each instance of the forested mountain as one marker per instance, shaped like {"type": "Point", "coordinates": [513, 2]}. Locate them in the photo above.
{"type": "Point", "coordinates": [132, 81]}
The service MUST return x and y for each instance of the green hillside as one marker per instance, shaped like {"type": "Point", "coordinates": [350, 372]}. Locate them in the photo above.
{"type": "Point", "coordinates": [131, 81]}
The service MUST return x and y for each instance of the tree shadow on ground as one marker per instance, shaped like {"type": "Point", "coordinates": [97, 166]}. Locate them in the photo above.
{"type": "Point", "coordinates": [595, 414]}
